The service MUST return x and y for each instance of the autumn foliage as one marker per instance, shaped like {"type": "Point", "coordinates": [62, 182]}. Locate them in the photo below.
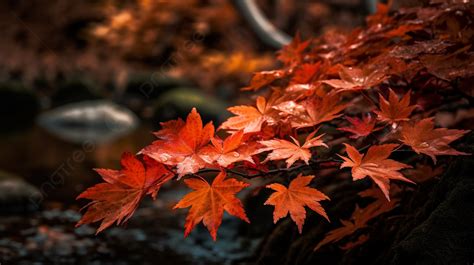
{"type": "Point", "coordinates": [342, 101]}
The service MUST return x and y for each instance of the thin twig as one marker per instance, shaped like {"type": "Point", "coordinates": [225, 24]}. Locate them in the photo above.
{"type": "Point", "coordinates": [272, 171]}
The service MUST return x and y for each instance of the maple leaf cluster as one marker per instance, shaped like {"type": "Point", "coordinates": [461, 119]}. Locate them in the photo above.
{"type": "Point", "coordinates": [339, 101]}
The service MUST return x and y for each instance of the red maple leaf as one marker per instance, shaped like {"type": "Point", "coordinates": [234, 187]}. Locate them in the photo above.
{"type": "Point", "coordinates": [208, 202]}
{"type": "Point", "coordinates": [183, 149]}
{"type": "Point", "coordinates": [376, 165]}
{"type": "Point", "coordinates": [293, 53]}
{"type": "Point", "coordinates": [305, 73]}
{"type": "Point", "coordinates": [318, 110]}
{"type": "Point", "coordinates": [353, 79]}
{"type": "Point", "coordinates": [394, 110]}
{"type": "Point", "coordinates": [360, 127]}
{"type": "Point", "coordinates": [423, 172]}
{"type": "Point", "coordinates": [170, 129]}
{"type": "Point", "coordinates": [293, 199]}
{"type": "Point", "coordinates": [117, 199]}
{"type": "Point", "coordinates": [422, 137]}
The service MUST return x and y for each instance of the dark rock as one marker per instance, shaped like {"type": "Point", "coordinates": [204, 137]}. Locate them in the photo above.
{"type": "Point", "coordinates": [17, 196]}
{"type": "Point", "coordinates": [93, 121]}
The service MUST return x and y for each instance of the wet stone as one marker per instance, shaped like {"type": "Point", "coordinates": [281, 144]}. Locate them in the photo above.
{"type": "Point", "coordinates": [84, 230]}
{"type": "Point", "coordinates": [63, 216]}
{"type": "Point", "coordinates": [127, 235]}
{"type": "Point", "coordinates": [93, 121]}
{"type": "Point", "coordinates": [17, 196]}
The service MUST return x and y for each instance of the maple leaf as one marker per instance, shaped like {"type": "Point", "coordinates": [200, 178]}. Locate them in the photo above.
{"type": "Point", "coordinates": [229, 151]}
{"type": "Point", "coordinates": [289, 108]}
{"type": "Point", "coordinates": [360, 127]}
{"type": "Point", "coordinates": [402, 30]}
{"type": "Point", "coordinates": [360, 240]}
{"type": "Point", "coordinates": [293, 52]}
{"type": "Point", "coordinates": [359, 219]}
{"type": "Point", "coordinates": [458, 64]}
{"type": "Point", "coordinates": [293, 199]}
{"type": "Point", "coordinates": [264, 78]}
{"type": "Point", "coordinates": [169, 129]}
{"type": "Point", "coordinates": [283, 149]}
{"type": "Point", "coordinates": [376, 165]}
{"type": "Point", "coordinates": [306, 88]}
{"type": "Point", "coordinates": [117, 199]}
{"type": "Point", "coordinates": [394, 110]}
{"type": "Point", "coordinates": [249, 118]}
{"type": "Point", "coordinates": [424, 172]}
{"type": "Point", "coordinates": [422, 137]}
{"type": "Point", "coordinates": [353, 79]}
{"type": "Point", "coordinates": [305, 73]}
{"type": "Point", "coordinates": [335, 235]}
{"type": "Point", "coordinates": [319, 110]}
{"type": "Point", "coordinates": [208, 202]}
{"type": "Point", "coordinates": [183, 149]}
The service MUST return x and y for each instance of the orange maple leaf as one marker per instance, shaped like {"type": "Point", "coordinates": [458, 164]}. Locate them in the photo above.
{"type": "Point", "coordinates": [376, 165]}
{"type": "Point", "coordinates": [183, 149]}
{"type": "Point", "coordinates": [208, 202]}
{"type": "Point", "coordinates": [283, 149]}
{"type": "Point", "coordinates": [422, 137]}
{"type": "Point", "coordinates": [394, 110]}
{"type": "Point", "coordinates": [293, 199]}
{"type": "Point", "coordinates": [293, 52]}
{"type": "Point", "coordinates": [117, 199]}
{"type": "Point", "coordinates": [353, 79]}
{"type": "Point", "coordinates": [360, 127]}
{"type": "Point", "coordinates": [319, 110]}
{"type": "Point", "coordinates": [229, 151]}
{"type": "Point", "coordinates": [264, 78]}
{"type": "Point", "coordinates": [170, 129]}
{"type": "Point", "coordinates": [250, 119]}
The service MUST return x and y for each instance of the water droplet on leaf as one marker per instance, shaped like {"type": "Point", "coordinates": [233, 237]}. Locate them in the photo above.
{"type": "Point", "coordinates": [424, 144]}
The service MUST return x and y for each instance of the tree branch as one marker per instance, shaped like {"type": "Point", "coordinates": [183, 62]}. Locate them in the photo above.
{"type": "Point", "coordinates": [319, 163]}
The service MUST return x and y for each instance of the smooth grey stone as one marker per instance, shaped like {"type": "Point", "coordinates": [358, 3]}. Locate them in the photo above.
{"type": "Point", "coordinates": [18, 196]}
{"type": "Point", "coordinates": [95, 121]}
